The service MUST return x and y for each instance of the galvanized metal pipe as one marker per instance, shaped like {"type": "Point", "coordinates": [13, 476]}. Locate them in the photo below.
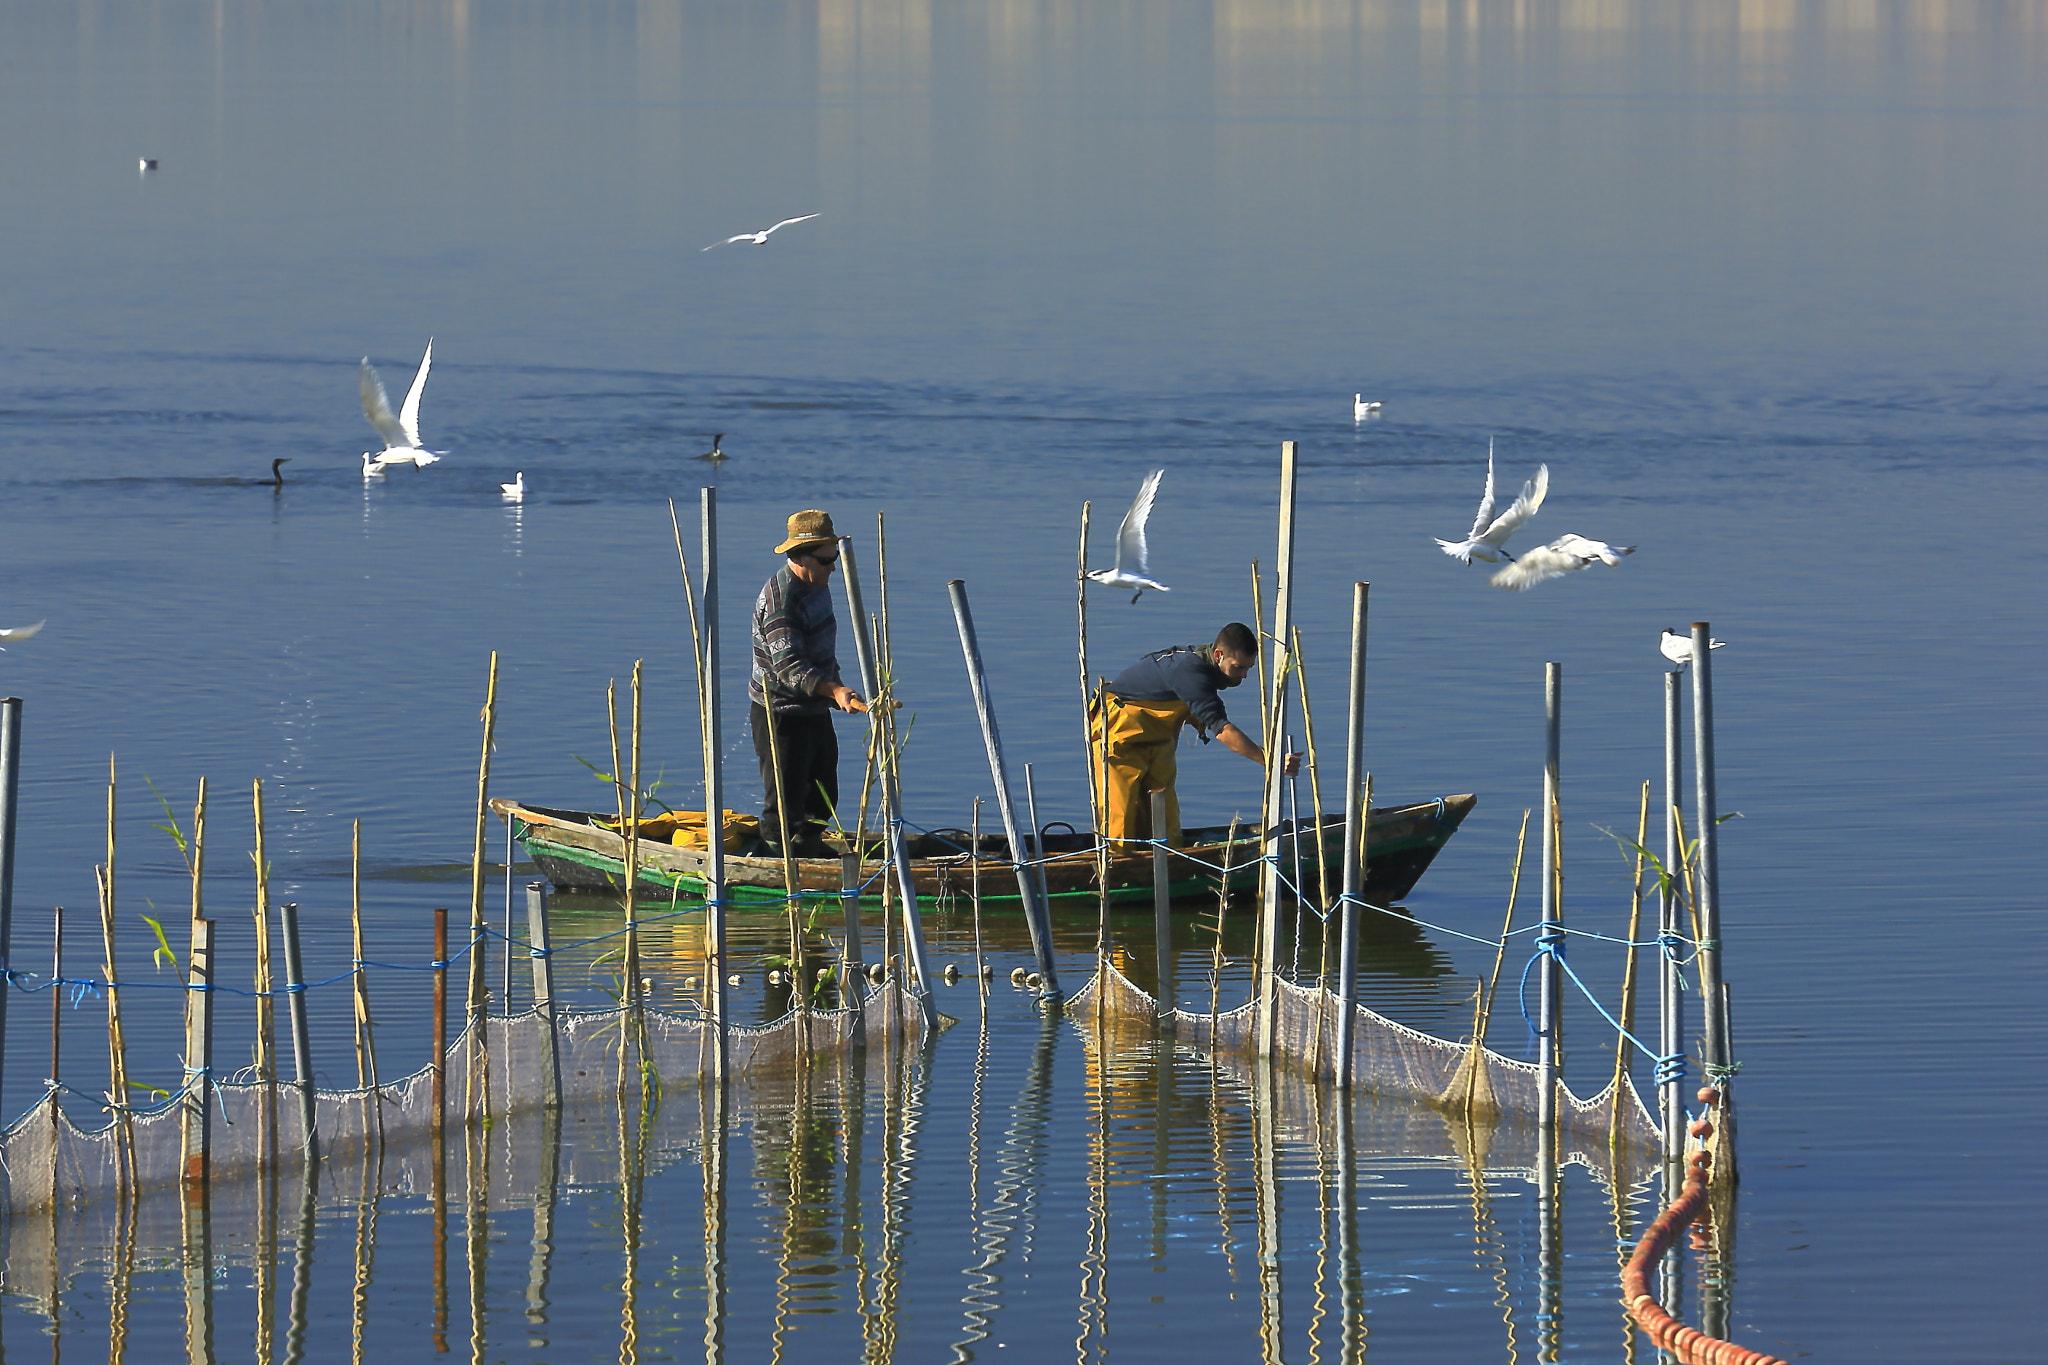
{"type": "Point", "coordinates": [10, 790]}
{"type": "Point", "coordinates": [540, 946]}
{"type": "Point", "coordinates": [1548, 977]}
{"type": "Point", "coordinates": [1355, 817]}
{"type": "Point", "coordinates": [1035, 915]}
{"type": "Point", "coordinates": [302, 1037]}
{"type": "Point", "coordinates": [1162, 901]}
{"type": "Point", "coordinates": [1037, 835]}
{"type": "Point", "coordinates": [1714, 1023]}
{"type": "Point", "coordinates": [1671, 976]}
{"type": "Point", "coordinates": [1276, 762]}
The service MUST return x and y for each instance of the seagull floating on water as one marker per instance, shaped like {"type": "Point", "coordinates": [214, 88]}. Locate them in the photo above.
{"type": "Point", "coordinates": [1678, 648]}
{"type": "Point", "coordinates": [401, 433]}
{"type": "Point", "coordinates": [515, 490]}
{"type": "Point", "coordinates": [761, 238]}
{"type": "Point", "coordinates": [1130, 545]}
{"type": "Point", "coordinates": [146, 163]}
{"type": "Point", "coordinates": [21, 632]}
{"type": "Point", "coordinates": [1566, 554]}
{"type": "Point", "coordinates": [717, 452]}
{"type": "Point", "coordinates": [1489, 535]}
{"type": "Point", "coordinates": [1360, 409]}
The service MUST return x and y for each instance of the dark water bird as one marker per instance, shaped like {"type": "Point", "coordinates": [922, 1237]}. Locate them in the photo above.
{"type": "Point", "coordinates": [276, 479]}
{"type": "Point", "coordinates": [717, 452]}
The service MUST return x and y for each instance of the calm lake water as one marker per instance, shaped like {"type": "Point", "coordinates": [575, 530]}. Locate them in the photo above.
{"type": "Point", "coordinates": [1761, 283]}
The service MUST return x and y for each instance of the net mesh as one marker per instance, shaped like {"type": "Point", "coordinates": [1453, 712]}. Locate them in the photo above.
{"type": "Point", "coordinates": [1386, 1058]}
{"type": "Point", "coordinates": [501, 1065]}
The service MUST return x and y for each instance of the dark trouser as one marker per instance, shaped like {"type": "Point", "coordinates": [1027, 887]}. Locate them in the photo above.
{"type": "Point", "coordinates": [810, 771]}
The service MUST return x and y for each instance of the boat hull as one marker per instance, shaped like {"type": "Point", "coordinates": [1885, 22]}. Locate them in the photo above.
{"type": "Point", "coordinates": [576, 852]}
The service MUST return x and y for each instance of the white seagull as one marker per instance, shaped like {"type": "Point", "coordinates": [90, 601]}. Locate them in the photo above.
{"type": "Point", "coordinates": [401, 433]}
{"type": "Point", "coordinates": [20, 632]}
{"type": "Point", "coordinates": [761, 238]}
{"type": "Point", "coordinates": [1489, 535]}
{"type": "Point", "coordinates": [1132, 570]}
{"type": "Point", "coordinates": [1566, 554]}
{"type": "Point", "coordinates": [1360, 409]}
{"type": "Point", "coordinates": [1678, 648]}
{"type": "Point", "coordinates": [515, 490]}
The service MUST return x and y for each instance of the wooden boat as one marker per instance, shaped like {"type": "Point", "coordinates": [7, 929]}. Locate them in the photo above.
{"type": "Point", "coordinates": [583, 851]}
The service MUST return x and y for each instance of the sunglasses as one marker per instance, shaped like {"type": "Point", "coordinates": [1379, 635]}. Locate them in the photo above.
{"type": "Point", "coordinates": [827, 560]}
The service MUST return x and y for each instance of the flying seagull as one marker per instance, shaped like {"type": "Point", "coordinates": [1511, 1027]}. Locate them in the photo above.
{"type": "Point", "coordinates": [20, 632]}
{"type": "Point", "coordinates": [761, 238]}
{"type": "Point", "coordinates": [514, 491]}
{"type": "Point", "coordinates": [1360, 409]}
{"type": "Point", "coordinates": [401, 433]}
{"type": "Point", "coordinates": [1131, 570]}
{"type": "Point", "coordinates": [1489, 535]}
{"type": "Point", "coordinates": [1678, 648]}
{"type": "Point", "coordinates": [1566, 554]}
{"type": "Point", "coordinates": [373, 468]}
{"type": "Point", "coordinates": [717, 452]}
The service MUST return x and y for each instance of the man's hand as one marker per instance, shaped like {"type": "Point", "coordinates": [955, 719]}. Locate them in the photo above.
{"type": "Point", "coordinates": [1293, 765]}
{"type": "Point", "coordinates": [844, 697]}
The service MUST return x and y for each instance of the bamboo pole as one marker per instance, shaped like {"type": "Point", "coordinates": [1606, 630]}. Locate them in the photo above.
{"type": "Point", "coordinates": [440, 1087]}
{"type": "Point", "coordinates": [710, 731]}
{"type": "Point", "coordinates": [117, 1040]}
{"type": "Point", "coordinates": [1628, 972]}
{"type": "Point", "coordinates": [974, 863]}
{"type": "Point", "coordinates": [266, 1011]}
{"type": "Point", "coordinates": [1088, 744]}
{"type": "Point", "coordinates": [1222, 914]}
{"type": "Point", "coordinates": [56, 1001]}
{"type": "Point", "coordinates": [850, 968]}
{"type": "Point", "coordinates": [366, 1042]}
{"type": "Point", "coordinates": [1162, 901]}
{"type": "Point", "coordinates": [1269, 874]}
{"type": "Point", "coordinates": [438, 1188]}
{"type": "Point", "coordinates": [1315, 781]}
{"type": "Point", "coordinates": [478, 1080]}
{"type": "Point", "coordinates": [792, 902]}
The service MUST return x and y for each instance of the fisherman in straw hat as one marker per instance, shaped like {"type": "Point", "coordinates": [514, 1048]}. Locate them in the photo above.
{"type": "Point", "coordinates": [796, 670]}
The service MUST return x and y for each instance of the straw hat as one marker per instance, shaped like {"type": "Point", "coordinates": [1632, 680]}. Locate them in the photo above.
{"type": "Point", "coordinates": [808, 527]}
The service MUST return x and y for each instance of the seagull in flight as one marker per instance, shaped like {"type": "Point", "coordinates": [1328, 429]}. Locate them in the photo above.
{"type": "Point", "coordinates": [1566, 554]}
{"type": "Point", "coordinates": [1130, 545]}
{"type": "Point", "coordinates": [1489, 535]}
{"type": "Point", "coordinates": [401, 433]}
{"type": "Point", "coordinates": [514, 491]}
{"type": "Point", "coordinates": [1678, 648]}
{"type": "Point", "coordinates": [1360, 409]}
{"type": "Point", "coordinates": [20, 632]}
{"type": "Point", "coordinates": [761, 238]}
{"type": "Point", "coordinates": [717, 452]}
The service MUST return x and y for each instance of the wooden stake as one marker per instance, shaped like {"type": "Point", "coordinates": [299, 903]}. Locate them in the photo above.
{"type": "Point", "coordinates": [1269, 875]}
{"type": "Point", "coordinates": [266, 1009]}
{"type": "Point", "coordinates": [366, 1042]}
{"type": "Point", "coordinates": [1628, 971]}
{"type": "Point", "coordinates": [541, 948]}
{"type": "Point", "coordinates": [479, 1069]}
{"type": "Point", "coordinates": [197, 1121]}
{"type": "Point", "coordinates": [974, 864]}
{"type": "Point", "coordinates": [117, 1041]}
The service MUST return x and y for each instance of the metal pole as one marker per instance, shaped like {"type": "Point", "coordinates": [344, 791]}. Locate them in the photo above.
{"type": "Point", "coordinates": [539, 946]}
{"type": "Point", "coordinates": [892, 788]}
{"type": "Point", "coordinates": [1269, 870]}
{"type": "Point", "coordinates": [1549, 935]}
{"type": "Point", "coordinates": [506, 1006]}
{"type": "Point", "coordinates": [302, 1038]}
{"type": "Point", "coordinates": [1714, 1023]}
{"type": "Point", "coordinates": [1027, 887]}
{"type": "Point", "coordinates": [10, 788]}
{"type": "Point", "coordinates": [1162, 901]}
{"type": "Point", "coordinates": [1671, 976]}
{"type": "Point", "coordinates": [1037, 834]}
{"type": "Point", "coordinates": [714, 784]}
{"type": "Point", "coordinates": [1355, 816]}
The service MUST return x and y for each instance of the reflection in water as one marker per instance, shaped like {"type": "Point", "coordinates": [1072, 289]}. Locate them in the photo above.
{"type": "Point", "coordinates": [1112, 1181]}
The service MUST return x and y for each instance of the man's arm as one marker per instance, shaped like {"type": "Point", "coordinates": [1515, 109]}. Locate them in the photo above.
{"type": "Point", "coordinates": [841, 696]}
{"type": "Point", "coordinates": [1238, 742]}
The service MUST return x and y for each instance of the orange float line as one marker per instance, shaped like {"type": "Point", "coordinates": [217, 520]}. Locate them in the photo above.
{"type": "Point", "coordinates": [1664, 1331]}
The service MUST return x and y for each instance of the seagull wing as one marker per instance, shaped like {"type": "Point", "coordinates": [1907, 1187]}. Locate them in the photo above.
{"type": "Point", "coordinates": [1485, 517]}
{"type": "Point", "coordinates": [377, 408]}
{"type": "Point", "coordinates": [22, 632]}
{"type": "Point", "coordinates": [1537, 566]}
{"type": "Point", "coordinates": [409, 415]}
{"type": "Point", "coordinates": [1588, 549]}
{"type": "Point", "coordinates": [736, 237]}
{"type": "Point", "coordinates": [787, 221]}
{"type": "Point", "coordinates": [1524, 507]}
{"type": "Point", "coordinates": [1132, 553]}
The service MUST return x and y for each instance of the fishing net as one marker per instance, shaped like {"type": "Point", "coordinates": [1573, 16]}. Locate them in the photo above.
{"type": "Point", "coordinates": [1386, 1058]}
{"type": "Point", "coordinates": [504, 1065]}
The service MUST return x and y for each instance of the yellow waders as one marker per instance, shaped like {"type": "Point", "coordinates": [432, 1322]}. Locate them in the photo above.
{"type": "Point", "coordinates": [1140, 759]}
